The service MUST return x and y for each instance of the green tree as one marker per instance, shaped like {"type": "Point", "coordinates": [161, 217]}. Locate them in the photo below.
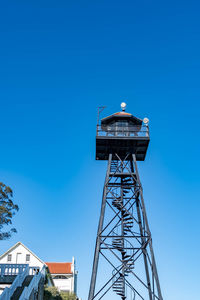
{"type": "Point", "coordinates": [67, 296]}
{"type": "Point", "coordinates": [52, 293]}
{"type": "Point", "coordinates": [7, 210]}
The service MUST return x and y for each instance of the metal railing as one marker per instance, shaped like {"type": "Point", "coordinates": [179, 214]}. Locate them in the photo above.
{"type": "Point", "coordinates": [20, 271]}
{"type": "Point", "coordinates": [123, 131]}
{"type": "Point", "coordinates": [8, 292]}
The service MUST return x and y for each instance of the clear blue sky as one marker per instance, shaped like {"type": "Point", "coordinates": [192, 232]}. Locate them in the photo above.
{"type": "Point", "coordinates": [60, 60]}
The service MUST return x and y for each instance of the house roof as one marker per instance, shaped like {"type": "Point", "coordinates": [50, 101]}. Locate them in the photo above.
{"type": "Point", "coordinates": [15, 246]}
{"type": "Point", "coordinates": [59, 268]}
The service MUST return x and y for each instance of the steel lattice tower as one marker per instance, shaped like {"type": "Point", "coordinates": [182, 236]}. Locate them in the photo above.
{"type": "Point", "coordinates": [123, 237]}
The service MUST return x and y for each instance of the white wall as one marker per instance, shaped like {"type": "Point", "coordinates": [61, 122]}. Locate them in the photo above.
{"type": "Point", "coordinates": [64, 284]}
{"type": "Point", "coordinates": [34, 262]}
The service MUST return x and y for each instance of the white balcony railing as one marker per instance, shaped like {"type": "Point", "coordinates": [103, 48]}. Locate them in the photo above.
{"type": "Point", "coordinates": [15, 269]}
{"type": "Point", "coordinates": [8, 292]}
{"type": "Point", "coordinates": [11, 269]}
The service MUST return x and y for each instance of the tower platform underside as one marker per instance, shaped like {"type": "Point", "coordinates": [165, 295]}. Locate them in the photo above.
{"type": "Point", "coordinates": [122, 146]}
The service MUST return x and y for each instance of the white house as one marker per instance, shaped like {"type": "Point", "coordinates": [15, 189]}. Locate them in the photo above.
{"type": "Point", "coordinates": [18, 254]}
{"type": "Point", "coordinates": [64, 275]}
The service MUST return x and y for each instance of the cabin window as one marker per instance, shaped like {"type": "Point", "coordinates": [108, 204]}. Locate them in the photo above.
{"type": "Point", "coordinates": [27, 257]}
{"type": "Point", "coordinates": [122, 123]}
{"type": "Point", "coordinates": [9, 257]}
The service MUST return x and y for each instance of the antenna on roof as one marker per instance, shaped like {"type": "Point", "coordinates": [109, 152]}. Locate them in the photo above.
{"type": "Point", "coordinates": [123, 106]}
{"type": "Point", "coordinates": [100, 109]}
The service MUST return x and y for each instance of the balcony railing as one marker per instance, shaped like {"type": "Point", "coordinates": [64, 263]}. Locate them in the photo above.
{"type": "Point", "coordinates": [21, 275]}
{"type": "Point", "coordinates": [123, 131]}
{"type": "Point", "coordinates": [15, 269]}
{"type": "Point", "coordinates": [21, 271]}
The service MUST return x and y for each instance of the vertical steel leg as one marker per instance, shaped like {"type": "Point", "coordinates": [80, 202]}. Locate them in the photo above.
{"type": "Point", "coordinates": [144, 250]}
{"type": "Point", "coordinates": [122, 234]}
{"type": "Point", "coordinates": [148, 230]}
{"type": "Point", "coordinates": [98, 240]}
{"type": "Point", "coordinates": [143, 241]}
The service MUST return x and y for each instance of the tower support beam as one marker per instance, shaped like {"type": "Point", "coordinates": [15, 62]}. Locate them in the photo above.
{"type": "Point", "coordinates": [123, 236]}
{"type": "Point", "coordinates": [155, 272]}
{"type": "Point", "coordinates": [98, 240]}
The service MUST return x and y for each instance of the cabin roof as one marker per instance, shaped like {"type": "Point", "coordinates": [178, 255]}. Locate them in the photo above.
{"type": "Point", "coordinates": [121, 116]}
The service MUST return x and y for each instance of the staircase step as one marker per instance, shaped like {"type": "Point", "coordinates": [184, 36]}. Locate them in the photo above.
{"type": "Point", "coordinates": [20, 289]}
{"type": "Point", "coordinates": [127, 217]}
{"type": "Point", "coordinates": [127, 180]}
{"type": "Point", "coordinates": [126, 256]}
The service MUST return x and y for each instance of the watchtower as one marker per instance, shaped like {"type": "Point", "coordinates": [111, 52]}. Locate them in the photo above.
{"type": "Point", "coordinates": [123, 237]}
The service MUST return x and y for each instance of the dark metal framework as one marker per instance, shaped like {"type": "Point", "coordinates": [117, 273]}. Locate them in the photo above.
{"type": "Point", "coordinates": [122, 139]}
{"type": "Point", "coordinates": [123, 237]}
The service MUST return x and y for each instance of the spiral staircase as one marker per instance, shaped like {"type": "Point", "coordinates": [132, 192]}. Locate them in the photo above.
{"type": "Point", "coordinates": [119, 242]}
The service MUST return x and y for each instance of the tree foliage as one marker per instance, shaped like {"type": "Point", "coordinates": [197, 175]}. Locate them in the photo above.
{"type": "Point", "coordinates": [67, 296]}
{"type": "Point", "coordinates": [7, 210]}
{"type": "Point", "coordinates": [52, 293]}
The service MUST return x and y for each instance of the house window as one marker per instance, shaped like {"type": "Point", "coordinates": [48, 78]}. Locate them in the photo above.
{"type": "Point", "coordinates": [27, 257]}
{"type": "Point", "coordinates": [9, 257]}
{"type": "Point", "coordinates": [60, 277]}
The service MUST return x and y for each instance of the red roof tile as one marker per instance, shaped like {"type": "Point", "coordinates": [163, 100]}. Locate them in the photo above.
{"type": "Point", "coordinates": [59, 268]}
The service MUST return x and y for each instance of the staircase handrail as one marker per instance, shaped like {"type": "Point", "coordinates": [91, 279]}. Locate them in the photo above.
{"type": "Point", "coordinates": [33, 284]}
{"type": "Point", "coordinates": [9, 291]}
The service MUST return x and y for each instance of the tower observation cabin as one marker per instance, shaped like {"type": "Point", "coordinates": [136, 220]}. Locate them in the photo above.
{"type": "Point", "coordinates": [124, 134]}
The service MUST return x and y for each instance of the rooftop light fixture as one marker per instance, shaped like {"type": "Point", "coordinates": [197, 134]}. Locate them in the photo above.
{"type": "Point", "coordinates": [146, 121]}
{"type": "Point", "coordinates": [123, 106]}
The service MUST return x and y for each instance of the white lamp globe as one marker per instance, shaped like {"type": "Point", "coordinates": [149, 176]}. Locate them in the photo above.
{"type": "Point", "coordinates": [146, 121]}
{"type": "Point", "coordinates": [123, 106]}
